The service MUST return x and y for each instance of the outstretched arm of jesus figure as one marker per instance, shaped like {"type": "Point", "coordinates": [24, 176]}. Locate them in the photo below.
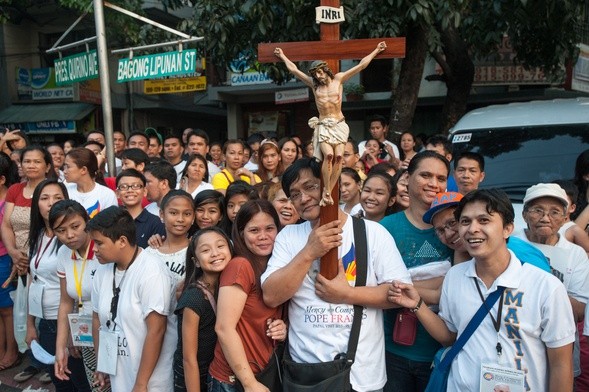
{"type": "Point", "coordinates": [345, 75]}
{"type": "Point", "coordinates": [292, 68]}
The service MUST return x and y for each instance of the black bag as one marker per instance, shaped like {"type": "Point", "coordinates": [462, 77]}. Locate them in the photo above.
{"type": "Point", "coordinates": [271, 375]}
{"type": "Point", "coordinates": [334, 375]}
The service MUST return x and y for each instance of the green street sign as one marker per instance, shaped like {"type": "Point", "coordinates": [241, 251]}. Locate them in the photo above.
{"type": "Point", "coordinates": [76, 68]}
{"type": "Point", "coordinates": [157, 65]}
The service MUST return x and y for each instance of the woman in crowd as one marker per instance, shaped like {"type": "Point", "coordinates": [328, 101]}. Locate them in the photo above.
{"type": "Point", "coordinates": [308, 149]}
{"type": "Point", "coordinates": [37, 165]}
{"type": "Point", "coordinates": [13, 140]}
{"type": "Point", "coordinates": [44, 290]}
{"type": "Point", "coordinates": [288, 151]}
{"type": "Point", "coordinates": [58, 157]}
{"type": "Point", "coordinates": [76, 265]}
{"type": "Point", "coordinates": [9, 355]}
{"type": "Point", "coordinates": [81, 172]}
{"type": "Point", "coordinates": [195, 175]}
{"type": "Point", "coordinates": [373, 154]}
{"type": "Point", "coordinates": [217, 154]}
{"type": "Point", "coordinates": [233, 151]}
{"type": "Point", "coordinates": [407, 143]}
{"type": "Point", "coordinates": [15, 156]}
{"type": "Point", "coordinates": [401, 180]}
{"type": "Point", "coordinates": [246, 327]}
{"type": "Point", "coordinates": [177, 213]}
{"type": "Point", "coordinates": [132, 296]}
{"type": "Point", "coordinates": [208, 254]}
{"type": "Point", "coordinates": [270, 165]}
{"type": "Point", "coordinates": [286, 211]}
{"type": "Point", "coordinates": [350, 186]}
{"type": "Point", "coordinates": [378, 196]}
{"type": "Point", "coordinates": [69, 145]}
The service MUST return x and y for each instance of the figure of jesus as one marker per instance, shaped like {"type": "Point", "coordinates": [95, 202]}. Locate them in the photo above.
{"type": "Point", "coordinates": [330, 129]}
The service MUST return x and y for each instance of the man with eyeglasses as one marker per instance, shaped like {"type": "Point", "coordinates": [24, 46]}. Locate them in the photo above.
{"type": "Point", "coordinates": [131, 191]}
{"type": "Point", "coordinates": [320, 310]}
{"type": "Point", "coordinates": [544, 213]}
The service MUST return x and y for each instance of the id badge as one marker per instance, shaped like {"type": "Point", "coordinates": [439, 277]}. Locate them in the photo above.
{"type": "Point", "coordinates": [36, 299]}
{"type": "Point", "coordinates": [81, 329]}
{"type": "Point", "coordinates": [107, 351]}
{"type": "Point", "coordinates": [499, 378]}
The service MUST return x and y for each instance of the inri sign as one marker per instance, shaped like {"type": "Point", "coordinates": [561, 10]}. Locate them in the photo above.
{"type": "Point", "coordinates": [157, 65]}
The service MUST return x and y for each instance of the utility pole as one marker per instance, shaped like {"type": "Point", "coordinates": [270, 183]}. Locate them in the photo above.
{"type": "Point", "coordinates": [104, 85]}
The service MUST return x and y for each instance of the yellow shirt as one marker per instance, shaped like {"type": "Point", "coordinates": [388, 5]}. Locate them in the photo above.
{"type": "Point", "coordinates": [223, 179]}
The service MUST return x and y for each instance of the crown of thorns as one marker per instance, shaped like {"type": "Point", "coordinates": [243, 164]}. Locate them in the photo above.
{"type": "Point", "coordinates": [315, 65]}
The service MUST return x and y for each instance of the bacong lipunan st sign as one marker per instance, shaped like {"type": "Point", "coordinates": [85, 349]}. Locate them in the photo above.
{"type": "Point", "coordinates": [156, 65]}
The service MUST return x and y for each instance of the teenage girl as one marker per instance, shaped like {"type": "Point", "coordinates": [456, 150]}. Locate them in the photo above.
{"type": "Point", "coordinates": [289, 151]}
{"type": "Point", "coordinates": [350, 186]}
{"type": "Point", "coordinates": [76, 266]}
{"type": "Point", "coordinates": [238, 193]}
{"type": "Point", "coordinates": [208, 254]}
{"type": "Point", "coordinates": [270, 166]}
{"type": "Point", "coordinates": [378, 196]}
{"type": "Point", "coordinates": [177, 213]}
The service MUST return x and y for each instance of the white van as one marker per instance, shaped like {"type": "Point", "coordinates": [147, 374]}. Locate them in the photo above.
{"type": "Point", "coordinates": [525, 143]}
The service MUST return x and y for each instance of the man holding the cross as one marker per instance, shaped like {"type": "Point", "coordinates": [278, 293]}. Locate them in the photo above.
{"type": "Point", "coordinates": [330, 129]}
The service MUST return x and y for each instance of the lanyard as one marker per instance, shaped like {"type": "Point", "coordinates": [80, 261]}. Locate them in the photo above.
{"type": "Point", "coordinates": [496, 321]}
{"type": "Point", "coordinates": [78, 278]}
{"type": "Point", "coordinates": [40, 254]}
{"type": "Point", "coordinates": [114, 303]}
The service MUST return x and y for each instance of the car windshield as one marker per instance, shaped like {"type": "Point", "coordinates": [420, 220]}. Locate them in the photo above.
{"type": "Point", "coordinates": [517, 158]}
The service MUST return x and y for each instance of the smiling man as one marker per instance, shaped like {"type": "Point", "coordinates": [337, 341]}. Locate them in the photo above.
{"type": "Point", "coordinates": [532, 339]}
{"type": "Point", "coordinates": [318, 307]}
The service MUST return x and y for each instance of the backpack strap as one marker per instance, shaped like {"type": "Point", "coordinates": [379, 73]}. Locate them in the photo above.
{"type": "Point", "coordinates": [361, 247]}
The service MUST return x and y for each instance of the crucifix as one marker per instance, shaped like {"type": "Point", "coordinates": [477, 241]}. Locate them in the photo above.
{"type": "Point", "coordinates": [330, 130]}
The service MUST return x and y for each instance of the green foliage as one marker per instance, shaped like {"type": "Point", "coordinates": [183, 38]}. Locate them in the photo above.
{"type": "Point", "coordinates": [354, 89]}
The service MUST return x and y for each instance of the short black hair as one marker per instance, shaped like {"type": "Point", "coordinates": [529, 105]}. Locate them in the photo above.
{"type": "Point", "coordinates": [163, 170]}
{"type": "Point", "coordinates": [200, 133]}
{"type": "Point", "coordinates": [354, 145]}
{"type": "Point", "coordinates": [130, 173]}
{"type": "Point", "coordinates": [93, 142]}
{"type": "Point", "coordinates": [377, 117]}
{"type": "Point", "coordinates": [139, 133]}
{"type": "Point", "coordinates": [495, 200]}
{"type": "Point", "coordinates": [113, 223]}
{"type": "Point", "coordinates": [475, 156]}
{"type": "Point", "coordinates": [240, 187]}
{"type": "Point", "coordinates": [420, 156]}
{"type": "Point", "coordinates": [174, 135]}
{"type": "Point", "coordinates": [255, 138]}
{"type": "Point", "coordinates": [293, 172]}
{"type": "Point", "coordinates": [436, 140]}
{"type": "Point", "coordinates": [569, 187]}
{"type": "Point", "coordinates": [136, 155]}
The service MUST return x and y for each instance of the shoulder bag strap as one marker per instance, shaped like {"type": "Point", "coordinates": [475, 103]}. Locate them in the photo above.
{"type": "Point", "coordinates": [361, 271]}
{"type": "Point", "coordinates": [226, 176]}
{"type": "Point", "coordinates": [473, 324]}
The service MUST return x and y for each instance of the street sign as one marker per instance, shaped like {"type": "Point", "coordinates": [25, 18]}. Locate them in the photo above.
{"type": "Point", "coordinates": [156, 65]}
{"type": "Point", "coordinates": [76, 68]}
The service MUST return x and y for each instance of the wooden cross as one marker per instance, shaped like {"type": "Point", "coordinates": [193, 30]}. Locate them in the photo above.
{"type": "Point", "coordinates": [331, 49]}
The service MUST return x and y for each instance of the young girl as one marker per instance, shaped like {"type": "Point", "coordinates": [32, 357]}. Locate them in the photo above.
{"type": "Point", "coordinates": [131, 298]}
{"type": "Point", "coordinates": [69, 145]}
{"type": "Point", "coordinates": [233, 151]}
{"type": "Point", "coordinates": [246, 327]}
{"type": "Point", "coordinates": [378, 196]}
{"type": "Point", "coordinates": [350, 186]}
{"type": "Point", "coordinates": [270, 166]}
{"type": "Point", "coordinates": [44, 291]}
{"type": "Point", "coordinates": [238, 193]}
{"type": "Point", "coordinates": [195, 175]}
{"type": "Point", "coordinates": [80, 170]}
{"type": "Point", "coordinates": [208, 254]}
{"type": "Point", "coordinates": [177, 213]}
{"type": "Point", "coordinates": [76, 266]}
{"type": "Point", "coordinates": [217, 154]}
{"type": "Point", "coordinates": [401, 181]}
{"type": "Point", "coordinates": [209, 207]}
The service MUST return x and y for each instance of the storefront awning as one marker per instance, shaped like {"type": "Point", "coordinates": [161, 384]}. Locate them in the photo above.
{"type": "Point", "coordinates": [45, 112]}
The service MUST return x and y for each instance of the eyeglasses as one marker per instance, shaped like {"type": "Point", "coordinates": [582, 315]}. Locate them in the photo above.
{"type": "Point", "coordinates": [450, 225]}
{"type": "Point", "coordinates": [125, 187]}
{"type": "Point", "coordinates": [307, 189]}
{"type": "Point", "coordinates": [539, 213]}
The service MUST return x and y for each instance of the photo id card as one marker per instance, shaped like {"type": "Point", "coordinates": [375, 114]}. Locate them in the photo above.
{"type": "Point", "coordinates": [496, 378]}
{"type": "Point", "coordinates": [81, 329]}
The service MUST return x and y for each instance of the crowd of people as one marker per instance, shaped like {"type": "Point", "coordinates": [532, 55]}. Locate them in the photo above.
{"type": "Point", "coordinates": [186, 270]}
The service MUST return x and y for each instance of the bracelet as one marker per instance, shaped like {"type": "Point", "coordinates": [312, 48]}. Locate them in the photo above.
{"type": "Point", "coordinates": [416, 308]}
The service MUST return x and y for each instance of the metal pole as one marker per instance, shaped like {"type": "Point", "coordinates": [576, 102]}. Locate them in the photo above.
{"type": "Point", "coordinates": [104, 85]}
